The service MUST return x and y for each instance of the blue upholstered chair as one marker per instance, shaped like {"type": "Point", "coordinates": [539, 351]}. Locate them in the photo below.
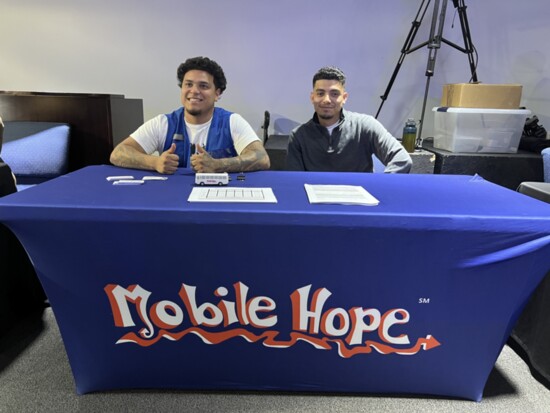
{"type": "Point", "coordinates": [36, 151]}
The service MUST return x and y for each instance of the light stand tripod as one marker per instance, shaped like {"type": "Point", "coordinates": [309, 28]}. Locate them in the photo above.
{"type": "Point", "coordinates": [434, 43]}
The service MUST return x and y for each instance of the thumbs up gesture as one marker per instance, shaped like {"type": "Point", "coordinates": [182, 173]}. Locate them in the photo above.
{"type": "Point", "coordinates": [168, 161]}
{"type": "Point", "coordinates": [201, 161]}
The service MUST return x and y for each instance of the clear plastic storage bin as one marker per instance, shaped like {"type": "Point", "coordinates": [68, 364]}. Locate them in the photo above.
{"type": "Point", "coordinates": [478, 130]}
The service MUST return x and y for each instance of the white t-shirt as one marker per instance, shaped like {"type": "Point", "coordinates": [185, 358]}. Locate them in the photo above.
{"type": "Point", "coordinates": [332, 127]}
{"type": "Point", "coordinates": [152, 134]}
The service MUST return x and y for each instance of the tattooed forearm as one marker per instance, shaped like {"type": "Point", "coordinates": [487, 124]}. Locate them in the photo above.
{"type": "Point", "coordinates": [253, 158]}
{"type": "Point", "coordinates": [128, 155]}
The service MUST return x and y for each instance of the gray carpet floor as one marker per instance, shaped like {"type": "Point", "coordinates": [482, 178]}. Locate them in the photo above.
{"type": "Point", "coordinates": [35, 377]}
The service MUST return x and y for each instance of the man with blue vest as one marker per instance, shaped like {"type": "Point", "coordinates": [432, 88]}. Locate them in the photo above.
{"type": "Point", "coordinates": [197, 135]}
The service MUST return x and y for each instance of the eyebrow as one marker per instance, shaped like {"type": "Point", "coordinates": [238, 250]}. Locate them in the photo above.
{"type": "Point", "coordinates": [327, 90]}
{"type": "Point", "coordinates": [200, 82]}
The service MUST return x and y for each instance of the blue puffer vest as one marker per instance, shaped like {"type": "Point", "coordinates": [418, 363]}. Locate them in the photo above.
{"type": "Point", "coordinates": [219, 143]}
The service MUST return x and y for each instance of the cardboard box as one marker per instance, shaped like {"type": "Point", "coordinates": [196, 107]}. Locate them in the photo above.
{"type": "Point", "coordinates": [472, 95]}
{"type": "Point", "coordinates": [478, 130]}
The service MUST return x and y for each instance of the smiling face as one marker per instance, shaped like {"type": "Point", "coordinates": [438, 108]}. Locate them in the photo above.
{"type": "Point", "coordinates": [328, 98]}
{"type": "Point", "coordinates": [198, 96]}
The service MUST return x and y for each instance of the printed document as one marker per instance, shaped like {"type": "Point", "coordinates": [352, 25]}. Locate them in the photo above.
{"type": "Point", "coordinates": [339, 194]}
{"type": "Point", "coordinates": [230, 194]}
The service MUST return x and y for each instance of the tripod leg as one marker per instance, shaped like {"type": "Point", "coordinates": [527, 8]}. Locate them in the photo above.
{"type": "Point", "coordinates": [468, 45]}
{"type": "Point", "coordinates": [434, 45]}
{"type": "Point", "coordinates": [469, 48]}
{"type": "Point", "coordinates": [405, 50]}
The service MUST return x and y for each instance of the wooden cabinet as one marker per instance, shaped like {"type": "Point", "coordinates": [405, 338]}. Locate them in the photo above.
{"type": "Point", "coordinates": [98, 121]}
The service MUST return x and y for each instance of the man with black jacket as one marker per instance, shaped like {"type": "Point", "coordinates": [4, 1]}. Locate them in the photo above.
{"type": "Point", "coordinates": [337, 140]}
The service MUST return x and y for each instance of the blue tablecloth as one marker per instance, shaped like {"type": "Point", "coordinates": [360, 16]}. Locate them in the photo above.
{"type": "Point", "coordinates": [415, 295]}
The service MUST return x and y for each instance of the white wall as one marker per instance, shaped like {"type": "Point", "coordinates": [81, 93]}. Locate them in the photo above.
{"type": "Point", "coordinates": [269, 51]}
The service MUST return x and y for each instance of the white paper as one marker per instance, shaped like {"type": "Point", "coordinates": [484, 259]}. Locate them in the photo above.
{"type": "Point", "coordinates": [119, 178]}
{"type": "Point", "coordinates": [129, 182]}
{"type": "Point", "coordinates": [231, 194]}
{"type": "Point", "coordinates": [339, 194]}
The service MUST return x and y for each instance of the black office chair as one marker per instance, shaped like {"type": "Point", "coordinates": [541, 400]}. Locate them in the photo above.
{"type": "Point", "coordinates": [20, 291]}
{"type": "Point", "coordinates": [7, 181]}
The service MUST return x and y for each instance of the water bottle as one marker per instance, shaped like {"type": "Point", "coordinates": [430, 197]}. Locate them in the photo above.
{"type": "Point", "coordinates": [409, 135]}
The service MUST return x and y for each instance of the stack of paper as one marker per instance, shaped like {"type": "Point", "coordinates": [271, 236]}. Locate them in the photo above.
{"type": "Point", "coordinates": [230, 194]}
{"type": "Point", "coordinates": [339, 194]}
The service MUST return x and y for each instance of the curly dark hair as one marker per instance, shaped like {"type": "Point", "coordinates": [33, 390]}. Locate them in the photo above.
{"type": "Point", "coordinates": [330, 73]}
{"type": "Point", "coordinates": [205, 64]}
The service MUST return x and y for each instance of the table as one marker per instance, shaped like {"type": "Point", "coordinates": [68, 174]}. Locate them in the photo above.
{"type": "Point", "coordinates": [506, 169]}
{"type": "Point", "coordinates": [530, 337]}
{"type": "Point", "coordinates": [151, 291]}
{"type": "Point", "coordinates": [537, 190]}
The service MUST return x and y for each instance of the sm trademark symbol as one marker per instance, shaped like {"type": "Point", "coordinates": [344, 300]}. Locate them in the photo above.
{"type": "Point", "coordinates": [423, 301]}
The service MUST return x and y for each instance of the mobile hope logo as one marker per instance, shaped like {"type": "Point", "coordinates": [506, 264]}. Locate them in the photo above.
{"type": "Point", "coordinates": [245, 316]}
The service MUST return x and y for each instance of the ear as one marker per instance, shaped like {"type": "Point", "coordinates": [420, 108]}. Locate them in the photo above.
{"type": "Point", "coordinates": [344, 97]}
{"type": "Point", "coordinates": [218, 94]}
{"type": "Point", "coordinates": [312, 96]}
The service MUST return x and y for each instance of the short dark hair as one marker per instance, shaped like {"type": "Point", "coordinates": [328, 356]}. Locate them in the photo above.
{"type": "Point", "coordinates": [330, 73]}
{"type": "Point", "coordinates": [205, 64]}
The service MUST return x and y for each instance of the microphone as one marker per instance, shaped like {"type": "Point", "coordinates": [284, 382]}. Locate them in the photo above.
{"type": "Point", "coordinates": [266, 125]}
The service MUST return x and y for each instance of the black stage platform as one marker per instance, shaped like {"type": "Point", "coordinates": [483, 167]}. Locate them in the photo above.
{"type": "Point", "coordinates": [505, 169]}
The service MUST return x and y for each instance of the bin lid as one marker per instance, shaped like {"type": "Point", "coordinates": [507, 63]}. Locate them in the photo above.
{"type": "Point", "coordinates": [482, 110]}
